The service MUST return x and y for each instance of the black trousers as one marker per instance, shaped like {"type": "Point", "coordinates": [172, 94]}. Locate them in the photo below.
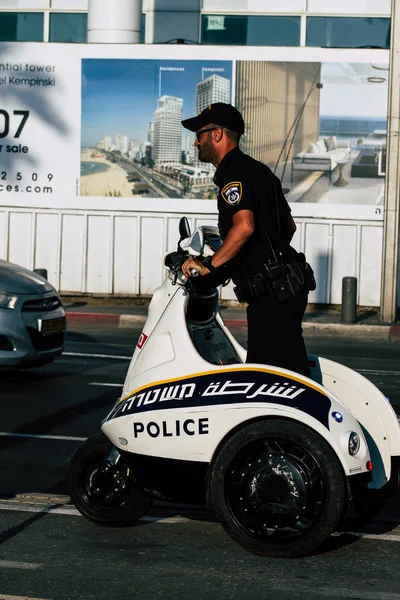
{"type": "Point", "coordinates": [275, 335]}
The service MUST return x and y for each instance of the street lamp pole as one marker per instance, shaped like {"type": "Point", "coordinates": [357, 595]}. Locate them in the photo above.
{"type": "Point", "coordinates": [390, 253]}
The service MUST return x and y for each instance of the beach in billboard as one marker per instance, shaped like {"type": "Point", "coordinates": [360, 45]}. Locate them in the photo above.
{"type": "Point", "coordinates": [102, 177]}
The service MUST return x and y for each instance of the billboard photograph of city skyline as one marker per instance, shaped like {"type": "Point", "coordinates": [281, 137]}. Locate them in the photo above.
{"type": "Point", "coordinates": [132, 140]}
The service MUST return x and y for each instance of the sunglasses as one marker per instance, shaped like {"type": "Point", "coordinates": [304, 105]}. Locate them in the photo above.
{"type": "Point", "coordinates": [199, 133]}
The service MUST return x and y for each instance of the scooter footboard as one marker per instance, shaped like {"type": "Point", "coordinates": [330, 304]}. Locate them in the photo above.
{"type": "Point", "coordinates": [371, 409]}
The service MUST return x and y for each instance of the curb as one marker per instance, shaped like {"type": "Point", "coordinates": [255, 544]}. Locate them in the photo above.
{"type": "Point", "coordinates": [376, 332]}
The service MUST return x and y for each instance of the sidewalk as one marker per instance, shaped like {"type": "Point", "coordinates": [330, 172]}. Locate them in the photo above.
{"type": "Point", "coordinates": [318, 320]}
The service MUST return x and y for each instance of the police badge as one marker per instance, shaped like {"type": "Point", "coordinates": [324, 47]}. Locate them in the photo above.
{"type": "Point", "coordinates": [232, 192]}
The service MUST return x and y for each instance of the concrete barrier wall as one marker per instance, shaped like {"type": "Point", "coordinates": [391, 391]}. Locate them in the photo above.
{"type": "Point", "coordinates": [120, 253]}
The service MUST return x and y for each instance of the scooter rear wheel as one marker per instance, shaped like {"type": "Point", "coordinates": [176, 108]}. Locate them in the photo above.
{"type": "Point", "coordinates": [102, 491]}
{"type": "Point", "coordinates": [277, 488]}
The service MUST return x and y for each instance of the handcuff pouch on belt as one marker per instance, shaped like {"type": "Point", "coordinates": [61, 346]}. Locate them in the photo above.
{"type": "Point", "coordinates": [280, 280]}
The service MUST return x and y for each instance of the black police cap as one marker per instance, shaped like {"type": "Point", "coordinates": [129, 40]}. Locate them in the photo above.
{"type": "Point", "coordinates": [219, 113]}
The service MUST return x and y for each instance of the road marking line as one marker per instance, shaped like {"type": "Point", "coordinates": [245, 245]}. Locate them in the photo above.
{"type": "Point", "coordinates": [43, 436]}
{"type": "Point", "coordinates": [70, 510]}
{"type": "Point", "coordinates": [13, 564]}
{"type": "Point", "coordinates": [58, 510]}
{"type": "Point", "coordinates": [120, 385]}
{"type": "Point", "coordinates": [380, 536]}
{"type": "Point", "coordinates": [338, 593]}
{"type": "Point", "coordinates": [165, 519]}
{"type": "Point", "coordinates": [2, 597]}
{"type": "Point", "coordinates": [118, 357]}
{"type": "Point", "coordinates": [97, 355]}
{"type": "Point", "coordinates": [377, 372]}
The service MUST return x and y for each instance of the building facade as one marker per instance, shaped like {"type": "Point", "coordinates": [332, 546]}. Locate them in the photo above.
{"type": "Point", "coordinates": [271, 98]}
{"type": "Point", "coordinates": [279, 80]}
{"type": "Point", "coordinates": [317, 23]}
{"type": "Point", "coordinates": [167, 132]}
{"type": "Point", "coordinates": [212, 89]}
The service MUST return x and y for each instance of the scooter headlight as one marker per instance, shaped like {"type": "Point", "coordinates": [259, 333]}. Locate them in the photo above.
{"type": "Point", "coordinates": [354, 443]}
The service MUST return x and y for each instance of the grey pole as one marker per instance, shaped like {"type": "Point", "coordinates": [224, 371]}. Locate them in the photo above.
{"type": "Point", "coordinates": [114, 21]}
{"type": "Point", "coordinates": [390, 250]}
{"type": "Point", "coordinates": [349, 299]}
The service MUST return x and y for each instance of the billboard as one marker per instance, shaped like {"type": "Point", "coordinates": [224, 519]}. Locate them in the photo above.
{"type": "Point", "coordinates": [85, 125]}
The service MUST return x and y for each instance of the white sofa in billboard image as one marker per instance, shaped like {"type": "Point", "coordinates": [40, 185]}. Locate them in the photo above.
{"type": "Point", "coordinates": [322, 155]}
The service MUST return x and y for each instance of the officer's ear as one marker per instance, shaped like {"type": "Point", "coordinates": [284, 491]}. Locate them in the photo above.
{"type": "Point", "coordinates": [218, 133]}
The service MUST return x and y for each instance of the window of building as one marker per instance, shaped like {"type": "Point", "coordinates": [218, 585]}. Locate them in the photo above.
{"type": "Point", "coordinates": [68, 27]}
{"type": "Point", "coordinates": [23, 4]}
{"type": "Point", "coordinates": [349, 7]}
{"type": "Point", "coordinates": [21, 27]}
{"type": "Point", "coordinates": [143, 28]}
{"type": "Point", "coordinates": [348, 32]}
{"type": "Point", "coordinates": [250, 30]}
{"type": "Point", "coordinates": [70, 4]}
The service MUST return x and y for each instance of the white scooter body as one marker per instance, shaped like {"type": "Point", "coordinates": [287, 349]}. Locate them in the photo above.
{"type": "Point", "coordinates": [177, 405]}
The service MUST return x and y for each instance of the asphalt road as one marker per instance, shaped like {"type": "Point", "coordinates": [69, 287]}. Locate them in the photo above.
{"type": "Point", "coordinates": [48, 551]}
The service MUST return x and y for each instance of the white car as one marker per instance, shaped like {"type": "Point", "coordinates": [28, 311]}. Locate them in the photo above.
{"type": "Point", "coordinates": [32, 318]}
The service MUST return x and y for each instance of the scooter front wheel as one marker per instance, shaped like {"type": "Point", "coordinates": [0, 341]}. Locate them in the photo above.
{"type": "Point", "coordinates": [277, 488]}
{"type": "Point", "coordinates": [103, 489]}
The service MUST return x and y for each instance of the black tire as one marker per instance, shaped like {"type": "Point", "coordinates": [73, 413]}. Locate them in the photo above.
{"type": "Point", "coordinates": [103, 493]}
{"type": "Point", "coordinates": [277, 488]}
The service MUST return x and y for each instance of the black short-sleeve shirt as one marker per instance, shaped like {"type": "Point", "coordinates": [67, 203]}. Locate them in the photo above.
{"type": "Point", "coordinates": [245, 183]}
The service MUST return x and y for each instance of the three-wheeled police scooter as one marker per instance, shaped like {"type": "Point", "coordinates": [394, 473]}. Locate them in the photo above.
{"type": "Point", "coordinates": [281, 458]}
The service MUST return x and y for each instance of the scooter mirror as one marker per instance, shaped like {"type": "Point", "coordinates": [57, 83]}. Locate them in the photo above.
{"type": "Point", "coordinates": [184, 228]}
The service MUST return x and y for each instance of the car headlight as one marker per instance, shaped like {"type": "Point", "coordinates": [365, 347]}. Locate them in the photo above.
{"type": "Point", "coordinates": [354, 443]}
{"type": "Point", "coordinates": [7, 301]}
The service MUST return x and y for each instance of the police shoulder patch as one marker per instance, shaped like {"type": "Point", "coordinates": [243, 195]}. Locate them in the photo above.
{"type": "Point", "coordinates": [232, 192]}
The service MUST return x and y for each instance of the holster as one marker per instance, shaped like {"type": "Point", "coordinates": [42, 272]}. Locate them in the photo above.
{"type": "Point", "coordinates": [300, 275]}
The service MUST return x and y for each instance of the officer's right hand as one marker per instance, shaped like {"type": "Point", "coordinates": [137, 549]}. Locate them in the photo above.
{"type": "Point", "coordinates": [193, 263]}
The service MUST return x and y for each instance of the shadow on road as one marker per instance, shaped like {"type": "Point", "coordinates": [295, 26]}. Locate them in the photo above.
{"type": "Point", "coordinates": [77, 336]}
{"type": "Point", "coordinates": [17, 529]}
{"type": "Point", "coordinates": [21, 456]}
{"type": "Point", "coordinates": [32, 375]}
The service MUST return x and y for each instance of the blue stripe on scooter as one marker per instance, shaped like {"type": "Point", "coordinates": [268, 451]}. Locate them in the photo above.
{"type": "Point", "coordinates": [219, 388]}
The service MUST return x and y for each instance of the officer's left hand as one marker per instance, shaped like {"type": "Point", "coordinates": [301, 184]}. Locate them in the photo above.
{"type": "Point", "coordinates": [193, 263]}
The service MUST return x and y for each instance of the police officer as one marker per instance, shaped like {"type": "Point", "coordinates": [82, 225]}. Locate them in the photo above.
{"type": "Point", "coordinates": [256, 227]}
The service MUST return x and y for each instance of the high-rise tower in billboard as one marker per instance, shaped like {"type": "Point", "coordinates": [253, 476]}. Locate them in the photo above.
{"type": "Point", "coordinates": [213, 89]}
{"type": "Point", "coordinates": [167, 136]}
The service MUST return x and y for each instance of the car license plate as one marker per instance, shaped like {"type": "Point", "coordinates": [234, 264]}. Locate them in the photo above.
{"type": "Point", "coordinates": [49, 326]}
